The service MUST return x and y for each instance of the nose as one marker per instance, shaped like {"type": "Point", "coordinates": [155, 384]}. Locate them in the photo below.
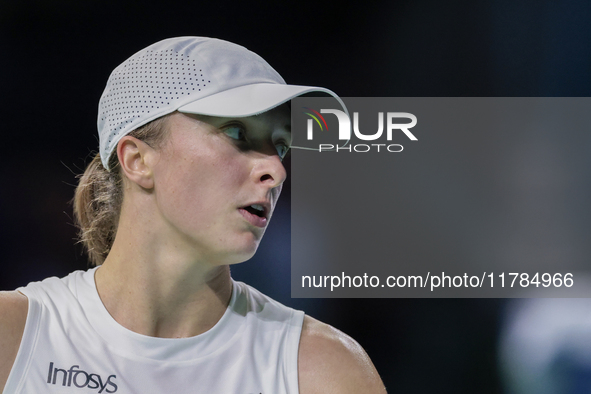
{"type": "Point", "coordinates": [269, 171]}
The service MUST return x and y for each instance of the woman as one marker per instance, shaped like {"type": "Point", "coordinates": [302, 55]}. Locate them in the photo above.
{"type": "Point", "coordinates": [192, 133]}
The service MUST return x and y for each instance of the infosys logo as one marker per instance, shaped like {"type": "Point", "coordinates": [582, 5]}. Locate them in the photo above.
{"type": "Point", "coordinates": [389, 123]}
{"type": "Point", "coordinates": [80, 379]}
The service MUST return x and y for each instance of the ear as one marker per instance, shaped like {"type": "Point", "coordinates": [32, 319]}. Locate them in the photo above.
{"type": "Point", "coordinates": [135, 159]}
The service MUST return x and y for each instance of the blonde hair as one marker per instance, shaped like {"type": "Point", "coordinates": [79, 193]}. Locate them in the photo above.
{"type": "Point", "coordinates": [99, 195]}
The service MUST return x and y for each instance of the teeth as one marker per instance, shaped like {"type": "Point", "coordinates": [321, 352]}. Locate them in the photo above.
{"type": "Point", "coordinates": [257, 207]}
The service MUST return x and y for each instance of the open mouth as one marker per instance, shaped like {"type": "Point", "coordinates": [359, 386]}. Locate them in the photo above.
{"type": "Point", "coordinates": [256, 209]}
{"type": "Point", "coordinates": [255, 214]}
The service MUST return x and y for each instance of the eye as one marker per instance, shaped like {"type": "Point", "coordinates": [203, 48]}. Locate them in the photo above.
{"type": "Point", "coordinates": [282, 149]}
{"type": "Point", "coordinates": [236, 132]}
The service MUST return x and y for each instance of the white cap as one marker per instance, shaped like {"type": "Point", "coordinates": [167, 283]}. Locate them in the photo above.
{"type": "Point", "coordinates": [196, 75]}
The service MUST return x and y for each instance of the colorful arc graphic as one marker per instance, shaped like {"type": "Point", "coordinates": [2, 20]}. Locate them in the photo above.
{"type": "Point", "coordinates": [315, 118]}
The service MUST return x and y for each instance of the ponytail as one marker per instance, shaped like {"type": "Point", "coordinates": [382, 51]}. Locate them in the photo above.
{"type": "Point", "coordinates": [99, 196]}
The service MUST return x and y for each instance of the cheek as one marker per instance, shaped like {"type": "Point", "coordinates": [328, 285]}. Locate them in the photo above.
{"type": "Point", "coordinates": [199, 184]}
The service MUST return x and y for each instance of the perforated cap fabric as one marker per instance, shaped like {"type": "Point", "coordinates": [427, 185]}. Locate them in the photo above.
{"type": "Point", "coordinates": [196, 75]}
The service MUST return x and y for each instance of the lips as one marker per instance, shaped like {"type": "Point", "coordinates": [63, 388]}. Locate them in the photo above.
{"type": "Point", "coordinates": [256, 209]}
{"type": "Point", "coordinates": [256, 214]}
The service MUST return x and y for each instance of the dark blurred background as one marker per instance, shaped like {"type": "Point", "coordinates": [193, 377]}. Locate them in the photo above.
{"type": "Point", "coordinates": [55, 58]}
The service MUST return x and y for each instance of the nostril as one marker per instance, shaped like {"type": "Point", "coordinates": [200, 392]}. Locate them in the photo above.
{"type": "Point", "coordinates": [266, 177]}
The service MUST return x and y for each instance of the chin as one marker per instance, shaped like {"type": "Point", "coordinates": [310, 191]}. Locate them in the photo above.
{"type": "Point", "coordinates": [243, 253]}
{"type": "Point", "coordinates": [234, 249]}
{"type": "Point", "coordinates": [247, 255]}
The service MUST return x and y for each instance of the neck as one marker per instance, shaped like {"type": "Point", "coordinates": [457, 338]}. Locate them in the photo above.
{"type": "Point", "coordinates": [154, 288]}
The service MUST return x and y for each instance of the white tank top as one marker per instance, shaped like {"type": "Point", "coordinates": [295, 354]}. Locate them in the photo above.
{"type": "Point", "coordinates": [71, 344]}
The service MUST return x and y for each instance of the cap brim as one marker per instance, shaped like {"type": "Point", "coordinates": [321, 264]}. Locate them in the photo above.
{"type": "Point", "coordinates": [250, 100]}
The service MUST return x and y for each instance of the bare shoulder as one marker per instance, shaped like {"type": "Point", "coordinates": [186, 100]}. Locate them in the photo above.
{"type": "Point", "coordinates": [13, 316]}
{"type": "Point", "coordinates": [331, 362]}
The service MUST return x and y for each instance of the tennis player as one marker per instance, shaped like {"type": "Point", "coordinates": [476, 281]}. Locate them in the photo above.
{"type": "Point", "coordinates": [192, 134]}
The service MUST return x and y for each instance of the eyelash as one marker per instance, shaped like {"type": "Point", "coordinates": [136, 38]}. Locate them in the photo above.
{"type": "Point", "coordinates": [240, 130]}
{"type": "Point", "coordinates": [241, 136]}
{"type": "Point", "coordinates": [282, 144]}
